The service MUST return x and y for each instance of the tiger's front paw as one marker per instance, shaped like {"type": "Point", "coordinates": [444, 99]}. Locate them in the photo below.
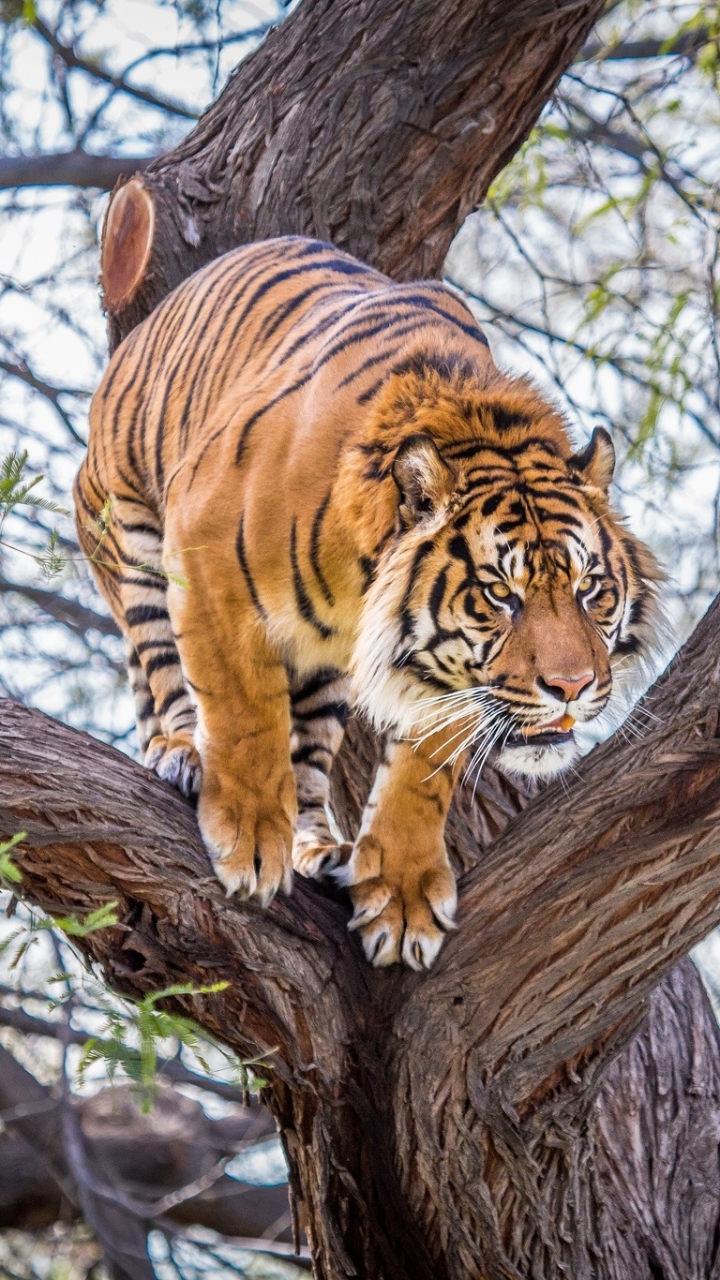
{"type": "Point", "coordinates": [404, 905]}
{"type": "Point", "coordinates": [249, 842]}
{"type": "Point", "coordinates": [176, 761]}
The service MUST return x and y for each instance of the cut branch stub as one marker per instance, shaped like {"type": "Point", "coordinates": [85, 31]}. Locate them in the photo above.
{"type": "Point", "coordinates": [127, 243]}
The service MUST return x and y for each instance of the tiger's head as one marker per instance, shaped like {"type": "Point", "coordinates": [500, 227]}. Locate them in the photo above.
{"type": "Point", "coordinates": [508, 595]}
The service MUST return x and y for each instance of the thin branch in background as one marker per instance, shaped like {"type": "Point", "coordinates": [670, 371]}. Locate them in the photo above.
{"type": "Point", "coordinates": [75, 62]}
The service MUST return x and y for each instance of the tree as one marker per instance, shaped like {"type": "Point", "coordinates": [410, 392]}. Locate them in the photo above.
{"type": "Point", "coordinates": [470, 1122]}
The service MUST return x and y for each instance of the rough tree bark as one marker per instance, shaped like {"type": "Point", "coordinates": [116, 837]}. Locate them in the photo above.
{"type": "Point", "coordinates": [546, 1101]}
{"type": "Point", "coordinates": [377, 124]}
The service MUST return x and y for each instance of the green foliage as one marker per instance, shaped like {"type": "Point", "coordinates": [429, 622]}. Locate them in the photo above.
{"type": "Point", "coordinates": [134, 1032]}
{"type": "Point", "coordinates": [102, 918]}
{"type": "Point", "coordinates": [17, 943]}
{"type": "Point", "coordinates": [10, 875]}
{"type": "Point", "coordinates": [18, 490]}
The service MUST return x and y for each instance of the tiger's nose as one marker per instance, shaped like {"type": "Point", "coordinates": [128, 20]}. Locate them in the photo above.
{"type": "Point", "coordinates": [566, 688]}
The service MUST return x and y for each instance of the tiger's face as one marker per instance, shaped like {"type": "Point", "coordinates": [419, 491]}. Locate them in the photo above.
{"type": "Point", "coordinates": [522, 595]}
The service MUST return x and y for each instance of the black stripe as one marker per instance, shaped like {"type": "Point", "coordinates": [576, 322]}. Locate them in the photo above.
{"type": "Point", "coordinates": [304, 755]}
{"type": "Point", "coordinates": [137, 528]}
{"type": "Point", "coordinates": [303, 601]}
{"type": "Point", "coordinates": [168, 702]}
{"type": "Point", "coordinates": [142, 613]}
{"type": "Point", "coordinates": [162, 660]}
{"type": "Point", "coordinates": [326, 711]}
{"type": "Point", "coordinates": [315, 550]}
{"type": "Point", "coordinates": [492, 503]}
{"type": "Point", "coordinates": [274, 320]}
{"type": "Point", "coordinates": [422, 551]}
{"type": "Point", "coordinates": [242, 558]}
{"type": "Point", "coordinates": [321, 679]}
{"type": "Point", "coordinates": [151, 644]}
{"type": "Point", "coordinates": [347, 267]}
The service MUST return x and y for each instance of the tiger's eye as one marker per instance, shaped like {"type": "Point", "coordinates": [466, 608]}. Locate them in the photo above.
{"type": "Point", "coordinates": [585, 584]}
{"type": "Point", "coordinates": [499, 591]}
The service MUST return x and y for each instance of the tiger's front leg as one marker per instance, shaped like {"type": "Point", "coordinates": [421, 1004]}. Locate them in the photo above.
{"type": "Point", "coordinates": [247, 805]}
{"type": "Point", "coordinates": [401, 883]}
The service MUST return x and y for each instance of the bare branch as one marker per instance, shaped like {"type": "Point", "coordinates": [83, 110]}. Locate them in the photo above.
{"type": "Point", "coordinates": [58, 607]}
{"type": "Point", "coordinates": [73, 61]}
{"type": "Point", "coordinates": [687, 45]}
{"type": "Point", "coordinates": [68, 169]}
{"type": "Point", "coordinates": [46, 389]}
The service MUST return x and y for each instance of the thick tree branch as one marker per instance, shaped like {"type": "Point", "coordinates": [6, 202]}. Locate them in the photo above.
{"type": "Point", "coordinates": [655, 1178]}
{"type": "Point", "coordinates": [637, 833]}
{"type": "Point", "coordinates": [429, 101]}
{"type": "Point", "coordinates": [553, 959]}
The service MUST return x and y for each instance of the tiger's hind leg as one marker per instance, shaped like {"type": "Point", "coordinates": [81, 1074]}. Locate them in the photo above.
{"type": "Point", "coordinates": [174, 761]}
{"type": "Point", "coordinates": [146, 722]}
{"type": "Point", "coordinates": [126, 556]}
{"type": "Point", "coordinates": [319, 707]}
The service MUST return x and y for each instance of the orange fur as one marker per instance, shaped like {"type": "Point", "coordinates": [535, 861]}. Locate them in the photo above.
{"type": "Point", "coordinates": [304, 485]}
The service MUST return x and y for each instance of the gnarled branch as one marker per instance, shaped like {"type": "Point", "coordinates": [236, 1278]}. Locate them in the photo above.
{"type": "Point", "coordinates": [544, 981]}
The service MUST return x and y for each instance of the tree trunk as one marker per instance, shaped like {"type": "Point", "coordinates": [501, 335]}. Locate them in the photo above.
{"type": "Point", "coordinates": [494, 1118]}
{"type": "Point", "coordinates": [376, 124]}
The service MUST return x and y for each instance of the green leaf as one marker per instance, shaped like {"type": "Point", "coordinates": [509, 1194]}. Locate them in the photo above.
{"type": "Point", "coordinates": [10, 875]}
{"type": "Point", "coordinates": [101, 918]}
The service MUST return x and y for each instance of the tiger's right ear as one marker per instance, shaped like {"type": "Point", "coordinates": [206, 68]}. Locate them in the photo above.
{"type": "Point", "coordinates": [426, 482]}
{"type": "Point", "coordinates": [595, 464]}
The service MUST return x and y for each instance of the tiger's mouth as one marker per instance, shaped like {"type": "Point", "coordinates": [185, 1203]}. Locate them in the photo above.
{"type": "Point", "coordinates": [540, 751]}
{"type": "Point", "coordinates": [545, 735]}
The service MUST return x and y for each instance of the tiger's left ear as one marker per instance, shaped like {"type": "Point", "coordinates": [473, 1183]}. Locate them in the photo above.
{"type": "Point", "coordinates": [424, 479]}
{"type": "Point", "coordinates": [595, 464]}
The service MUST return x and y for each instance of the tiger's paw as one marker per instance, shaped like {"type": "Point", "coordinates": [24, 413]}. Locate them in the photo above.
{"type": "Point", "coordinates": [176, 761]}
{"type": "Point", "coordinates": [403, 907]}
{"type": "Point", "coordinates": [316, 853]}
{"type": "Point", "coordinates": [249, 844]}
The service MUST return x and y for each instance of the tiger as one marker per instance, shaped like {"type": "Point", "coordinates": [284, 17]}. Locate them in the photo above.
{"type": "Point", "coordinates": [309, 488]}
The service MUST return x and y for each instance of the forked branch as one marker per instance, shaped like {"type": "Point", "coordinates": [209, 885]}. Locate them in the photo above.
{"type": "Point", "coordinates": [565, 926]}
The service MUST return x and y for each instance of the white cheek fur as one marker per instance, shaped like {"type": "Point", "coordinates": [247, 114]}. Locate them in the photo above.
{"type": "Point", "coordinates": [538, 762]}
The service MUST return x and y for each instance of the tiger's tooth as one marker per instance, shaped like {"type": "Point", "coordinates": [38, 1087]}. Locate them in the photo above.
{"type": "Point", "coordinates": [563, 725]}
